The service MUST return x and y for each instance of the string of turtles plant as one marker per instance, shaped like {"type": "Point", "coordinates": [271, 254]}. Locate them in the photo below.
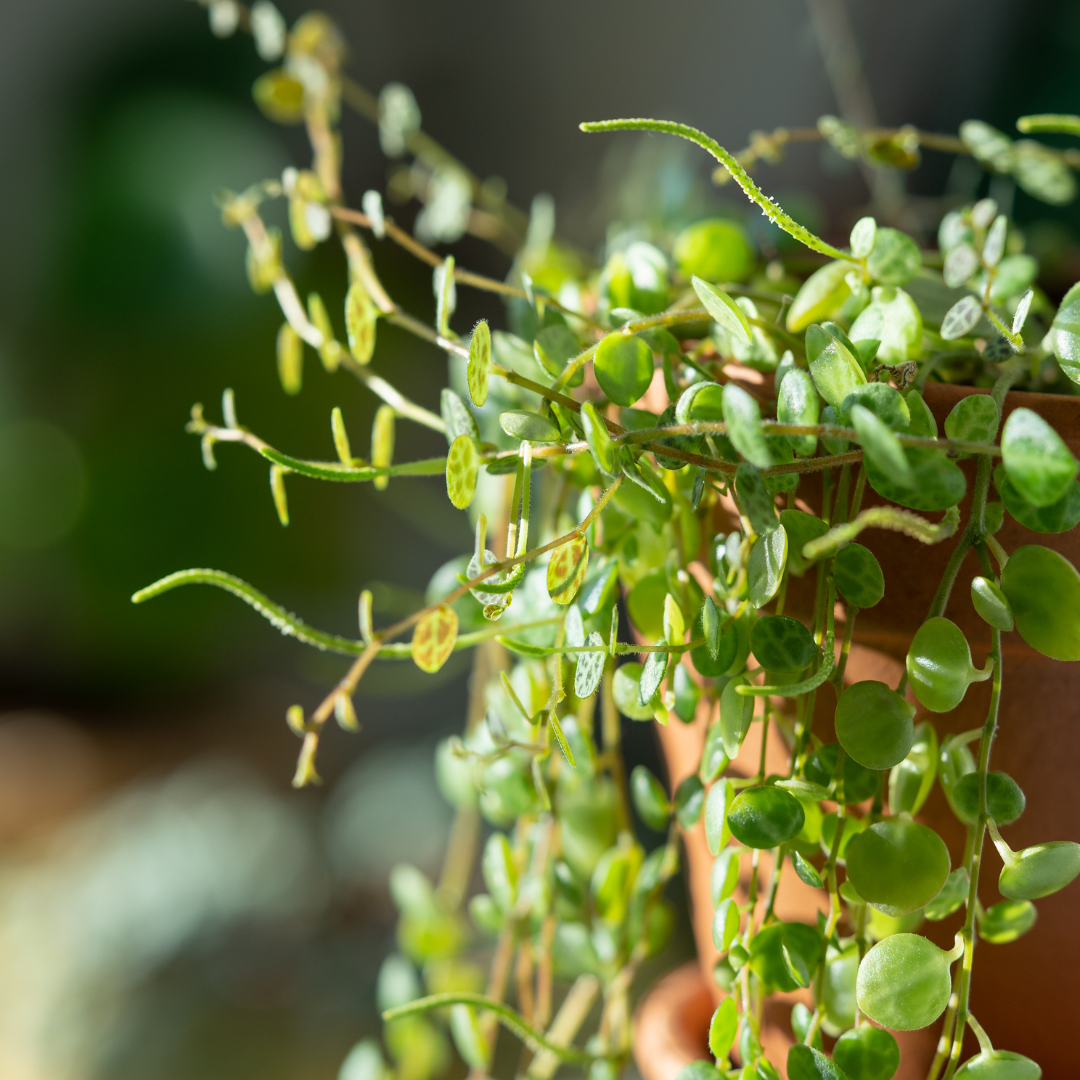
{"type": "Point", "coordinates": [667, 482]}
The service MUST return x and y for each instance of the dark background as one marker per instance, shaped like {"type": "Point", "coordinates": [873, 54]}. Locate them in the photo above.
{"type": "Point", "coordinates": [123, 301]}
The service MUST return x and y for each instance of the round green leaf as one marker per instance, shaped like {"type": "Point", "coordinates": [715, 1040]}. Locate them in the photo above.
{"type": "Point", "coordinates": [725, 874]}
{"type": "Point", "coordinates": [479, 368]}
{"type": "Point", "coordinates": [722, 1029]}
{"type": "Point", "coordinates": [973, 419]}
{"type": "Point", "coordinates": [726, 652]}
{"type": "Point", "coordinates": [961, 264]}
{"type": "Point", "coordinates": [910, 781]}
{"type": "Point", "coordinates": [765, 567]}
{"type": "Point", "coordinates": [1041, 172]}
{"type": "Point", "coordinates": [687, 695]}
{"type": "Point", "coordinates": [553, 347]}
{"type": "Point", "coordinates": [998, 1065]}
{"type": "Point", "coordinates": [456, 415]}
{"type": "Point", "coordinates": [590, 668]}
{"type": "Point", "coordinates": [952, 897]}
{"type": "Point", "coordinates": [806, 1063]}
{"type": "Point", "coordinates": [807, 872]}
{"type": "Point", "coordinates": [765, 817]}
{"type": "Point", "coordinates": [820, 295]}
{"type": "Point", "coordinates": [797, 403]}
{"type": "Point", "coordinates": [1040, 870]}
{"type": "Point", "coordinates": [863, 235]}
{"type": "Point", "coordinates": [939, 483]}
{"type": "Point", "coordinates": [725, 924]}
{"type": "Point", "coordinates": [743, 419]}
{"type": "Point", "coordinates": [596, 435]}
{"type": "Point", "coordinates": [904, 982]}
{"type": "Point", "coordinates": [694, 1070]}
{"type": "Point", "coordinates": [801, 528]}
{"type": "Point", "coordinates": [1037, 462]}
{"type": "Point", "coordinates": [887, 404]}
{"type": "Point", "coordinates": [716, 249]}
{"type": "Point", "coordinates": [1007, 921]}
{"type": "Point", "coordinates": [626, 686]}
{"type": "Point", "coordinates": [1056, 518]}
{"type": "Point", "coordinates": [860, 783]}
{"type": "Point", "coordinates": [736, 712]}
{"type": "Point", "coordinates": [961, 318]}
{"type": "Point", "coordinates": [893, 320]}
{"type": "Point", "coordinates": [689, 802]}
{"type": "Point", "coordinates": [652, 674]}
{"type": "Point", "coordinates": [867, 1053]}
{"type": "Point", "coordinates": [939, 665]}
{"type": "Point", "coordinates": [767, 951]}
{"type": "Point", "coordinates": [462, 466]}
{"type": "Point", "coordinates": [650, 799]}
{"type": "Point", "coordinates": [897, 865]}
{"type": "Point", "coordinates": [645, 604]}
{"type": "Point", "coordinates": [529, 426]}
{"type": "Point", "coordinates": [894, 259]}
{"type": "Point", "coordinates": [834, 368]}
{"type": "Point", "coordinates": [717, 803]}
{"type": "Point", "coordinates": [624, 368]}
{"type": "Point", "coordinates": [990, 603]}
{"type": "Point", "coordinates": [874, 725]}
{"type": "Point", "coordinates": [839, 988]}
{"type": "Point", "coordinates": [858, 576]}
{"type": "Point", "coordinates": [360, 317]}
{"type": "Point", "coordinates": [881, 447]}
{"type": "Point", "coordinates": [922, 422]}
{"type": "Point", "coordinates": [1064, 335]}
{"type": "Point", "coordinates": [1005, 801]}
{"type": "Point", "coordinates": [755, 499]}
{"type": "Point", "coordinates": [782, 644]}
{"type": "Point", "coordinates": [1043, 589]}
{"type": "Point", "coordinates": [724, 311]}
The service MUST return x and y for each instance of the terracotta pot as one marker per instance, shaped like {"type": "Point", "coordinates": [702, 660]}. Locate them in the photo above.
{"type": "Point", "coordinates": [1024, 994]}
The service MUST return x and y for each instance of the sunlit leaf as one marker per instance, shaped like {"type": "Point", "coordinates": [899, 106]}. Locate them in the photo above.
{"type": "Point", "coordinates": [360, 316]}
{"type": "Point", "coordinates": [566, 570]}
{"type": "Point", "coordinates": [724, 311]}
{"type": "Point", "coordinates": [961, 318]}
{"type": "Point", "coordinates": [462, 466]}
{"type": "Point", "coordinates": [434, 637]}
{"type": "Point", "coordinates": [290, 359]}
{"type": "Point", "coordinates": [382, 443]}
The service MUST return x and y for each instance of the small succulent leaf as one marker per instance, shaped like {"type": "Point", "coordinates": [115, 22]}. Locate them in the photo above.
{"type": "Point", "coordinates": [724, 311]}
{"type": "Point", "coordinates": [961, 318]}
{"type": "Point", "coordinates": [1037, 462]}
{"type": "Point", "coordinates": [462, 467]}
{"type": "Point", "coordinates": [590, 668]}
{"type": "Point", "coordinates": [360, 318]}
{"type": "Point", "coordinates": [479, 369]}
{"type": "Point", "coordinates": [743, 419]}
{"type": "Point", "coordinates": [566, 570]}
{"type": "Point", "coordinates": [434, 638]}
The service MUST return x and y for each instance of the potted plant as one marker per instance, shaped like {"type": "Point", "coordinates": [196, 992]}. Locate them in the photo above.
{"type": "Point", "coordinates": [737, 468]}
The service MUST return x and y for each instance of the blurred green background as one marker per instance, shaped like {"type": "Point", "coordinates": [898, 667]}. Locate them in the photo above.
{"type": "Point", "coordinates": [168, 907]}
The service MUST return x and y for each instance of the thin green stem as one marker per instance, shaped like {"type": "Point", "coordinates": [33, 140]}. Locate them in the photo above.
{"type": "Point", "coordinates": [974, 860]}
{"type": "Point", "coordinates": [883, 517]}
{"type": "Point", "coordinates": [510, 1018]}
{"type": "Point", "coordinates": [284, 620]}
{"type": "Point", "coordinates": [768, 207]}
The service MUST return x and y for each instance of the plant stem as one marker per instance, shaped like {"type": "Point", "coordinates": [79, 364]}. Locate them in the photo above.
{"type": "Point", "coordinates": [769, 208]}
{"type": "Point", "coordinates": [974, 861]}
{"type": "Point", "coordinates": [510, 1019]}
